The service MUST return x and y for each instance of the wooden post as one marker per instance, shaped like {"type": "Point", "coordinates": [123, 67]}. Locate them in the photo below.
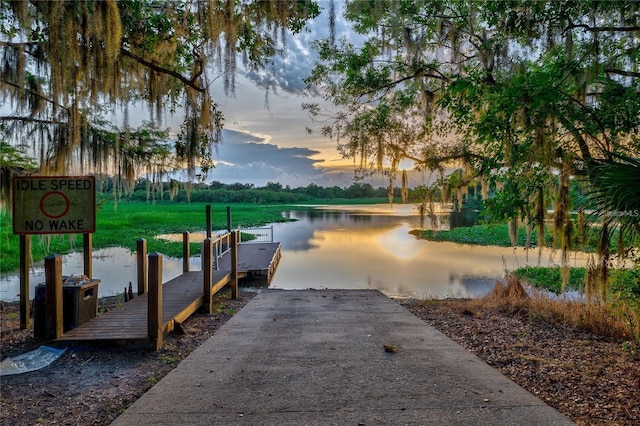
{"type": "Point", "coordinates": [53, 310]}
{"type": "Point", "coordinates": [25, 254]}
{"type": "Point", "coordinates": [87, 252]}
{"type": "Point", "coordinates": [207, 269]}
{"type": "Point", "coordinates": [234, 264]}
{"type": "Point", "coordinates": [154, 307]}
{"type": "Point", "coordinates": [141, 262]}
{"type": "Point", "coordinates": [186, 251]}
{"type": "Point", "coordinates": [208, 210]}
{"type": "Point", "coordinates": [215, 254]}
{"type": "Point", "coordinates": [224, 243]}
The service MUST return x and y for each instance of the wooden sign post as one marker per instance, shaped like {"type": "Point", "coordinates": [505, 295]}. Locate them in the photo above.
{"type": "Point", "coordinates": [51, 205]}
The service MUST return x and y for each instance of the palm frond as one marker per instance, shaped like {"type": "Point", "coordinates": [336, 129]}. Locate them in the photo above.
{"type": "Point", "coordinates": [615, 192]}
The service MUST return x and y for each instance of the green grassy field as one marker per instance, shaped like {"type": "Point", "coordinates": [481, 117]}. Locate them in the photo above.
{"type": "Point", "coordinates": [622, 282]}
{"type": "Point", "coordinates": [123, 224]}
{"type": "Point", "coordinates": [483, 235]}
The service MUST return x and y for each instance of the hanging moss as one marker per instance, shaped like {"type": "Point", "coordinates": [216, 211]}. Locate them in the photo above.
{"type": "Point", "coordinates": [404, 192]}
{"type": "Point", "coordinates": [79, 56]}
{"type": "Point", "coordinates": [174, 188]}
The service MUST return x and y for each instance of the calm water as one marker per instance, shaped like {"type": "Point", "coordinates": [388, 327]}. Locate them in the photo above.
{"type": "Point", "coordinates": [349, 247]}
{"type": "Point", "coordinates": [369, 247]}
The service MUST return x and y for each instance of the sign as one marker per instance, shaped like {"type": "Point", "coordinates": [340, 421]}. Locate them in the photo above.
{"type": "Point", "coordinates": [54, 204]}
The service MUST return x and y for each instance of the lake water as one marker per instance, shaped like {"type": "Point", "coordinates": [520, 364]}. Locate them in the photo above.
{"type": "Point", "coordinates": [345, 247]}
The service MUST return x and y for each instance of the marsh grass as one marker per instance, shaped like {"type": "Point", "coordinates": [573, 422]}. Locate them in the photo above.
{"type": "Point", "coordinates": [550, 278]}
{"type": "Point", "coordinates": [608, 320]}
{"type": "Point", "coordinates": [484, 234]}
{"type": "Point", "coordinates": [497, 234]}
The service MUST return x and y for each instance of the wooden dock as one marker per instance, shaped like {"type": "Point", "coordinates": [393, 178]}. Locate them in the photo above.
{"type": "Point", "coordinates": [254, 259]}
{"type": "Point", "coordinates": [182, 296]}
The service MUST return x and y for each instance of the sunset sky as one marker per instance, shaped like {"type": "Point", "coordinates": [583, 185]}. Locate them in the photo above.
{"type": "Point", "coordinates": [264, 137]}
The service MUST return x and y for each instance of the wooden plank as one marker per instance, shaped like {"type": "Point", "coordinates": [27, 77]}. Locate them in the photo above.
{"type": "Point", "coordinates": [186, 252]}
{"type": "Point", "coordinates": [182, 296]}
{"type": "Point", "coordinates": [123, 322]}
{"type": "Point", "coordinates": [155, 300]}
{"type": "Point", "coordinates": [141, 265]}
{"type": "Point", "coordinates": [25, 254]}
{"type": "Point", "coordinates": [87, 251]}
{"type": "Point", "coordinates": [182, 316]}
{"type": "Point", "coordinates": [233, 284]}
{"type": "Point", "coordinates": [219, 283]}
{"type": "Point", "coordinates": [53, 310]}
{"type": "Point", "coordinates": [207, 265]}
{"type": "Point", "coordinates": [252, 257]}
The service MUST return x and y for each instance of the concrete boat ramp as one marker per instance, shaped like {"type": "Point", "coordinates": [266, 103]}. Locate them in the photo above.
{"type": "Point", "coordinates": [317, 357]}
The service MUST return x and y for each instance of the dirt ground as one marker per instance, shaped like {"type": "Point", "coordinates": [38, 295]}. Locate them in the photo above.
{"type": "Point", "coordinates": [592, 380]}
{"type": "Point", "coordinates": [91, 386]}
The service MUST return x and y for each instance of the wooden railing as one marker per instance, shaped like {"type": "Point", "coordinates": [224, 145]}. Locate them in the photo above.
{"type": "Point", "coordinates": [150, 281]}
{"type": "Point", "coordinates": [210, 260]}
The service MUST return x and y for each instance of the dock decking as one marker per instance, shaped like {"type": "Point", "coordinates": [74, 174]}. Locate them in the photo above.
{"type": "Point", "coordinates": [182, 296]}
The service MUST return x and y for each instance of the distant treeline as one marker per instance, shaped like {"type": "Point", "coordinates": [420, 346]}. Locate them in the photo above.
{"type": "Point", "coordinates": [218, 192]}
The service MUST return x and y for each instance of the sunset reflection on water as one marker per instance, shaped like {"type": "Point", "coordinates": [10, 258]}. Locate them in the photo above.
{"type": "Point", "coordinates": [370, 247]}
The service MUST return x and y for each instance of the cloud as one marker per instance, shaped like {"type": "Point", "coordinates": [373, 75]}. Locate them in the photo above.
{"type": "Point", "coordinates": [247, 158]}
{"type": "Point", "coordinates": [243, 149]}
{"type": "Point", "coordinates": [268, 142]}
{"type": "Point", "coordinates": [287, 72]}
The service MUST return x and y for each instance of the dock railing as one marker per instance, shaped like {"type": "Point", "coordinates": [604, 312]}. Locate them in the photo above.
{"type": "Point", "coordinates": [262, 234]}
{"type": "Point", "coordinates": [154, 308]}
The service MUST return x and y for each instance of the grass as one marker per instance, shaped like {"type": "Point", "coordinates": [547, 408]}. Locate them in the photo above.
{"type": "Point", "coordinates": [620, 311]}
{"type": "Point", "coordinates": [623, 283]}
{"type": "Point", "coordinates": [123, 224]}
{"type": "Point", "coordinates": [498, 235]}
{"type": "Point", "coordinates": [484, 235]}
{"type": "Point", "coordinates": [550, 278]}
{"type": "Point", "coordinates": [602, 319]}
{"type": "Point", "coordinates": [168, 359]}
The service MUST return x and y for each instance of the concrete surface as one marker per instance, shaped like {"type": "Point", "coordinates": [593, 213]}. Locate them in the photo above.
{"type": "Point", "coordinates": [317, 357]}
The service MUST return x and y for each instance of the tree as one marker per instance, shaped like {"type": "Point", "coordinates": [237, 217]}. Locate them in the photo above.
{"type": "Point", "coordinates": [67, 63]}
{"type": "Point", "coordinates": [520, 95]}
{"type": "Point", "coordinates": [13, 160]}
{"type": "Point", "coordinates": [273, 186]}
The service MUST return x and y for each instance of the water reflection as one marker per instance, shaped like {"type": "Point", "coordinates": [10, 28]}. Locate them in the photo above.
{"type": "Point", "coordinates": [370, 247]}
{"type": "Point", "coordinates": [347, 247]}
{"type": "Point", "coordinates": [399, 243]}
